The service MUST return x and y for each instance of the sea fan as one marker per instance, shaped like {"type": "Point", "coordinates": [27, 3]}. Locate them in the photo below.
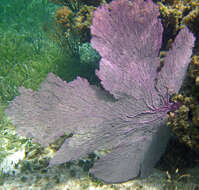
{"type": "Point", "coordinates": [128, 116]}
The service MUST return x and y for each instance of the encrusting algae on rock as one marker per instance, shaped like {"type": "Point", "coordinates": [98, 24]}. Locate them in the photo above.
{"type": "Point", "coordinates": [184, 121]}
{"type": "Point", "coordinates": [76, 22]}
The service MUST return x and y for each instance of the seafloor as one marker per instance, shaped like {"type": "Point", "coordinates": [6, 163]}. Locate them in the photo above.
{"type": "Point", "coordinates": [59, 178]}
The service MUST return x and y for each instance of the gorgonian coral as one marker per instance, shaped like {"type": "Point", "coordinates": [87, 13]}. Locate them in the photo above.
{"type": "Point", "coordinates": [127, 118]}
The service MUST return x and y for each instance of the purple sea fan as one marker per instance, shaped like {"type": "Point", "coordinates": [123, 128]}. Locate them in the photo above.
{"type": "Point", "coordinates": [131, 124]}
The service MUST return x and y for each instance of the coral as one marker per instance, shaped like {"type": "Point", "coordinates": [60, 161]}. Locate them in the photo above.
{"type": "Point", "coordinates": [179, 119]}
{"type": "Point", "coordinates": [194, 68]}
{"type": "Point", "coordinates": [82, 22]}
{"type": "Point", "coordinates": [184, 121]}
{"type": "Point", "coordinates": [75, 18]}
{"type": "Point", "coordinates": [196, 120]}
{"type": "Point", "coordinates": [174, 14]}
{"type": "Point", "coordinates": [192, 20]}
{"type": "Point", "coordinates": [63, 15]}
{"type": "Point", "coordinates": [73, 28]}
{"type": "Point", "coordinates": [126, 120]}
{"type": "Point", "coordinates": [88, 55]}
{"type": "Point", "coordinates": [76, 24]}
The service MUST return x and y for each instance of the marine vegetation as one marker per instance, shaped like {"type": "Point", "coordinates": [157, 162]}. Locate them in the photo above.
{"type": "Point", "coordinates": [27, 54]}
{"type": "Point", "coordinates": [71, 31]}
{"type": "Point", "coordinates": [76, 25]}
{"type": "Point", "coordinates": [175, 13]}
{"type": "Point", "coordinates": [75, 5]}
{"type": "Point", "coordinates": [73, 20]}
{"type": "Point", "coordinates": [125, 120]}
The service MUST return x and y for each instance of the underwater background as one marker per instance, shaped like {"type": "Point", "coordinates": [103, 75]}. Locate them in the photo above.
{"type": "Point", "coordinates": [42, 36]}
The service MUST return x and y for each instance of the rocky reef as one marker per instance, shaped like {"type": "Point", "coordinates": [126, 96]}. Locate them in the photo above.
{"type": "Point", "coordinates": [184, 122]}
